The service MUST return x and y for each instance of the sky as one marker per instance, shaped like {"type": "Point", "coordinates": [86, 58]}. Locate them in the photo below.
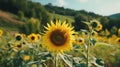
{"type": "Point", "coordinates": [101, 7]}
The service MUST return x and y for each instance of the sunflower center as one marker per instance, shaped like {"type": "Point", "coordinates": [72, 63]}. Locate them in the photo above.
{"type": "Point", "coordinates": [80, 40]}
{"type": "Point", "coordinates": [38, 37]}
{"type": "Point", "coordinates": [18, 38]}
{"type": "Point", "coordinates": [58, 37]}
{"type": "Point", "coordinates": [98, 26]}
{"type": "Point", "coordinates": [93, 33]}
{"type": "Point", "coordinates": [119, 40]}
{"type": "Point", "coordinates": [32, 38]}
{"type": "Point", "coordinates": [94, 24]}
{"type": "Point", "coordinates": [19, 46]}
{"type": "Point", "coordinates": [23, 43]}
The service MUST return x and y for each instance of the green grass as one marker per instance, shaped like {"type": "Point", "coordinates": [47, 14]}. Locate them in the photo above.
{"type": "Point", "coordinates": [5, 21]}
{"type": "Point", "coordinates": [9, 28]}
{"type": "Point", "coordinates": [62, 18]}
{"type": "Point", "coordinates": [7, 25]}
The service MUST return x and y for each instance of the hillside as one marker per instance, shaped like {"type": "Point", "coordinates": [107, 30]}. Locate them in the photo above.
{"type": "Point", "coordinates": [26, 9]}
{"type": "Point", "coordinates": [117, 16]}
{"type": "Point", "coordinates": [69, 12]}
{"type": "Point", "coordinates": [9, 21]}
{"type": "Point", "coordinates": [9, 17]}
{"type": "Point", "coordinates": [62, 17]}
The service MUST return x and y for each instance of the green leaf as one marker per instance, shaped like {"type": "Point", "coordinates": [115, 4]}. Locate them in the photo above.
{"type": "Point", "coordinates": [66, 59]}
{"type": "Point", "coordinates": [93, 41]}
{"type": "Point", "coordinates": [99, 61]}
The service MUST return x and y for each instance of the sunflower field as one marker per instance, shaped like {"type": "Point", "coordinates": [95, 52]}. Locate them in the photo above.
{"type": "Point", "coordinates": [59, 45]}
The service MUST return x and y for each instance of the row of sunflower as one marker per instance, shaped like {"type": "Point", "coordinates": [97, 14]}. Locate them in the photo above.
{"type": "Point", "coordinates": [60, 46]}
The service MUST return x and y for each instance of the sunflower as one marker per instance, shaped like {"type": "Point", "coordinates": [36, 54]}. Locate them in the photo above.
{"type": "Point", "coordinates": [26, 57]}
{"type": "Point", "coordinates": [117, 40]}
{"type": "Point", "coordinates": [32, 37]}
{"type": "Point", "coordinates": [119, 31]}
{"type": "Point", "coordinates": [96, 25]}
{"type": "Point", "coordinates": [107, 32]}
{"type": "Point", "coordinates": [113, 40]}
{"type": "Point", "coordinates": [23, 35]}
{"type": "Point", "coordinates": [80, 41]}
{"type": "Point", "coordinates": [39, 36]}
{"type": "Point", "coordinates": [58, 37]}
{"type": "Point", "coordinates": [105, 39]}
{"type": "Point", "coordinates": [1, 32]}
{"type": "Point", "coordinates": [99, 27]}
{"type": "Point", "coordinates": [94, 33]}
{"type": "Point", "coordinates": [17, 46]}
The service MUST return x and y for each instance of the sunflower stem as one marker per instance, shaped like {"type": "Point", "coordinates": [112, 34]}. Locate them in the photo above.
{"type": "Point", "coordinates": [56, 60]}
{"type": "Point", "coordinates": [88, 47]}
{"type": "Point", "coordinates": [87, 54]}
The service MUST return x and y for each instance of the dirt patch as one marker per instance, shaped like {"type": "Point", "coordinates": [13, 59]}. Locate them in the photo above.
{"type": "Point", "coordinates": [9, 17]}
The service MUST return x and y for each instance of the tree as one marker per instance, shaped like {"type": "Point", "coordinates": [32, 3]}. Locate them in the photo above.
{"type": "Point", "coordinates": [79, 19]}
{"type": "Point", "coordinates": [105, 22]}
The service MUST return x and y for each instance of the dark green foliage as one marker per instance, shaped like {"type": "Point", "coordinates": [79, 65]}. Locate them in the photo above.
{"type": "Point", "coordinates": [105, 22]}
{"type": "Point", "coordinates": [113, 30]}
{"type": "Point", "coordinates": [81, 65]}
{"type": "Point", "coordinates": [93, 41]}
{"type": "Point", "coordinates": [21, 15]}
{"type": "Point", "coordinates": [14, 5]}
{"type": "Point", "coordinates": [99, 61]}
{"type": "Point", "coordinates": [79, 19]}
{"type": "Point", "coordinates": [17, 62]}
{"type": "Point", "coordinates": [112, 24]}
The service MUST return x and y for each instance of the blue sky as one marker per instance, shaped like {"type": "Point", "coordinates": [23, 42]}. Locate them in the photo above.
{"type": "Point", "coordinates": [102, 7]}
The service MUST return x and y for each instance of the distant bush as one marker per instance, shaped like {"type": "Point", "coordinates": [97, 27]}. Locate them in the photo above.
{"type": "Point", "coordinates": [32, 26]}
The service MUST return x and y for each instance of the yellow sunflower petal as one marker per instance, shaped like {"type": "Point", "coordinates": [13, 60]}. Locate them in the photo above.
{"type": "Point", "coordinates": [58, 37]}
{"type": "Point", "coordinates": [1, 32]}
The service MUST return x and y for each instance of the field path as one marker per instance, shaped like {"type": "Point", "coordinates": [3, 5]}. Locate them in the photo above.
{"type": "Point", "coordinates": [9, 17]}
